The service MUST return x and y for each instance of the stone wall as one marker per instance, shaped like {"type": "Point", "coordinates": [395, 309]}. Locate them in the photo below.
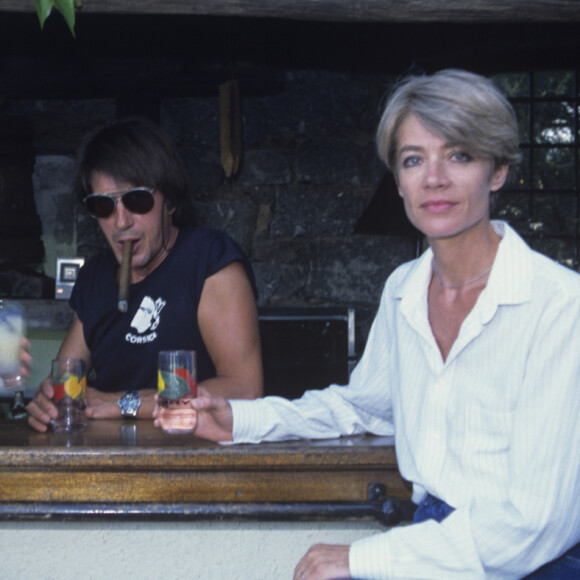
{"type": "Point", "coordinates": [309, 170]}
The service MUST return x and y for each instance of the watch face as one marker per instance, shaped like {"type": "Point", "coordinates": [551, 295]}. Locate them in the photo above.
{"type": "Point", "coordinates": [129, 404]}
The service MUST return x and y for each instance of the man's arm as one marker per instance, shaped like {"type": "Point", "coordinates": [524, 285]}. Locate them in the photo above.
{"type": "Point", "coordinates": [228, 321]}
{"type": "Point", "coordinates": [74, 345]}
{"type": "Point", "coordinates": [99, 405]}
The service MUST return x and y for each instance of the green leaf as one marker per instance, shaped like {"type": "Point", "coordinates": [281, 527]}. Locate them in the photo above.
{"type": "Point", "coordinates": [67, 9]}
{"type": "Point", "coordinates": [43, 9]}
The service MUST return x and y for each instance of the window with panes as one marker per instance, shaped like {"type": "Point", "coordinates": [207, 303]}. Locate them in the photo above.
{"type": "Point", "coordinates": [542, 200]}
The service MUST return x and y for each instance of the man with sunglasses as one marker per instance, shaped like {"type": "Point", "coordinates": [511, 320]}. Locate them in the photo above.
{"type": "Point", "coordinates": [191, 288]}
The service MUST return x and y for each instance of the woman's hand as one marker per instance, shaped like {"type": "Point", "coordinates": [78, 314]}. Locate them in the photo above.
{"type": "Point", "coordinates": [214, 416]}
{"type": "Point", "coordinates": [324, 562]}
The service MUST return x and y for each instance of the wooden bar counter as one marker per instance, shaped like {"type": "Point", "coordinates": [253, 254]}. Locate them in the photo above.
{"type": "Point", "coordinates": [120, 466]}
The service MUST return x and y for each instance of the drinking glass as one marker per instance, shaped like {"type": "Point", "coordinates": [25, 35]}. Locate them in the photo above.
{"type": "Point", "coordinates": [12, 329]}
{"type": "Point", "coordinates": [177, 386]}
{"type": "Point", "coordinates": [69, 382]}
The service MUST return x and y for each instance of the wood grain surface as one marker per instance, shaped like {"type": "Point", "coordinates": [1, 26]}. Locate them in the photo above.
{"type": "Point", "coordinates": [124, 461]}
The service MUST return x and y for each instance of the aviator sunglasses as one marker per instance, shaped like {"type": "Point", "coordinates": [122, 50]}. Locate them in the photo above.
{"type": "Point", "coordinates": [137, 200]}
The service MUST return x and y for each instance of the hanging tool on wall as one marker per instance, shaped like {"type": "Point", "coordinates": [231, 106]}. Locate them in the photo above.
{"type": "Point", "coordinates": [230, 127]}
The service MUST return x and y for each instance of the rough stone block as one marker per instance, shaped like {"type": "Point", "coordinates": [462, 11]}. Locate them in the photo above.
{"type": "Point", "coordinates": [348, 271]}
{"type": "Point", "coordinates": [331, 161]}
{"type": "Point", "coordinates": [90, 239]}
{"type": "Point", "coordinates": [354, 270]}
{"type": "Point", "coordinates": [280, 283]}
{"type": "Point", "coordinates": [315, 211]}
{"type": "Point", "coordinates": [203, 170]}
{"type": "Point", "coordinates": [238, 219]}
{"type": "Point", "coordinates": [311, 102]}
{"type": "Point", "coordinates": [60, 125]}
{"type": "Point", "coordinates": [266, 167]}
{"type": "Point", "coordinates": [192, 122]}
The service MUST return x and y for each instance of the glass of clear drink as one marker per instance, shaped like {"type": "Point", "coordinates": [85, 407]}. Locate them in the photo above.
{"type": "Point", "coordinates": [69, 382]}
{"type": "Point", "coordinates": [177, 386]}
{"type": "Point", "coordinates": [12, 329]}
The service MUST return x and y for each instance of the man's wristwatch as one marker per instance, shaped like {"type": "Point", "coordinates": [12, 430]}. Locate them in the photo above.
{"type": "Point", "coordinates": [129, 404]}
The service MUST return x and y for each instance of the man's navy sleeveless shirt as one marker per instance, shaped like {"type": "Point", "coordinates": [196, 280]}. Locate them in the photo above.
{"type": "Point", "coordinates": [162, 312]}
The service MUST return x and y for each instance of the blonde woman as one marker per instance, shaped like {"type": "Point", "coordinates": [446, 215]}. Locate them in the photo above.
{"type": "Point", "coordinates": [472, 363]}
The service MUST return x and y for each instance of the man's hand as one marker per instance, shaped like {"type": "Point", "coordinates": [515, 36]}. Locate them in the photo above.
{"type": "Point", "coordinates": [102, 405]}
{"type": "Point", "coordinates": [214, 416]}
{"type": "Point", "coordinates": [42, 409]}
{"type": "Point", "coordinates": [324, 562]}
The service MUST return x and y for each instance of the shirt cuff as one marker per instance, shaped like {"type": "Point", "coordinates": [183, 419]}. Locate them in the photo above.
{"type": "Point", "coordinates": [367, 558]}
{"type": "Point", "coordinates": [246, 421]}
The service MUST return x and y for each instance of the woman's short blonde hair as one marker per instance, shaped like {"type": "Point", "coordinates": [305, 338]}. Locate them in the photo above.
{"type": "Point", "coordinates": [463, 108]}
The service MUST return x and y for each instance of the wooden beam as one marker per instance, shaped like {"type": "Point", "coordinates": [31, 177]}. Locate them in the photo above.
{"type": "Point", "coordinates": [341, 10]}
{"type": "Point", "coordinates": [124, 461]}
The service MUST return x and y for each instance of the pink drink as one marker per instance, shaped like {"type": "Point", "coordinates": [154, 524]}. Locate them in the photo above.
{"type": "Point", "coordinates": [176, 387]}
{"type": "Point", "coordinates": [176, 415]}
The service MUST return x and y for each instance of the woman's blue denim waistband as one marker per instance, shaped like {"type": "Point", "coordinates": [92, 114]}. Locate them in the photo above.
{"type": "Point", "coordinates": [432, 508]}
{"type": "Point", "coordinates": [566, 567]}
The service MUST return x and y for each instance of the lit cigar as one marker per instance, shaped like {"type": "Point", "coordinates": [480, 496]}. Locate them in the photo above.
{"type": "Point", "coordinates": [125, 277]}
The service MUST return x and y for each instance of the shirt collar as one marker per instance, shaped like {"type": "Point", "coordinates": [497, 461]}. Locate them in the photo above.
{"type": "Point", "coordinates": [510, 279]}
{"type": "Point", "coordinates": [503, 285]}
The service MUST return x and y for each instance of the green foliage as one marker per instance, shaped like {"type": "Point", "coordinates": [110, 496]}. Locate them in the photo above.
{"type": "Point", "coordinates": [65, 7]}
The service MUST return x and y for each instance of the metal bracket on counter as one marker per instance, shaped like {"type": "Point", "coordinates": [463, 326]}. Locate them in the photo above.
{"type": "Point", "coordinates": [394, 510]}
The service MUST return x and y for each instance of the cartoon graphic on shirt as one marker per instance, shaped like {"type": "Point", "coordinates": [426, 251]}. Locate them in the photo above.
{"type": "Point", "coordinates": [146, 319]}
